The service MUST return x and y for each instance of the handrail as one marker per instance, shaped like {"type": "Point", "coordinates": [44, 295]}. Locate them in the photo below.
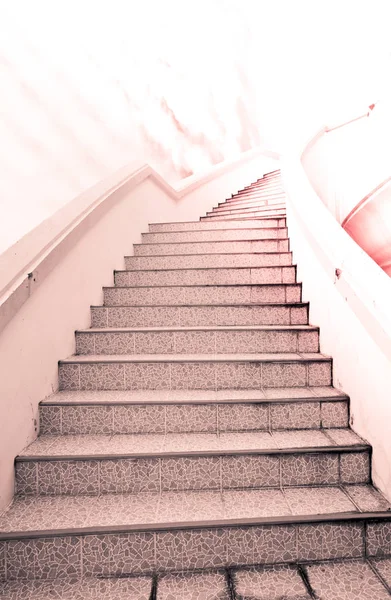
{"type": "Point", "coordinates": [29, 261]}
{"type": "Point", "coordinates": [378, 188]}
{"type": "Point", "coordinates": [339, 126]}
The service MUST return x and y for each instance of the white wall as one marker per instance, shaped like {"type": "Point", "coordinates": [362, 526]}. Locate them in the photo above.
{"type": "Point", "coordinates": [89, 86]}
{"type": "Point", "coordinates": [352, 311]}
{"type": "Point", "coordinates": [42, 332]}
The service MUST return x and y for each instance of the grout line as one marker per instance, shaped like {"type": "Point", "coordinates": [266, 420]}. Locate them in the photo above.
{"type": "Point", "coordinates": [377, 573]}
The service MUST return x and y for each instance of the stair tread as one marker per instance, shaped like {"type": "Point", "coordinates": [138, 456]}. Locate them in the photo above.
{"type": "Point", "coordinates": [201, 328]}
{"type": "Point", "coordinates": [194, 396]}
{"type": "Point", "coordinates": [197, 444]}
{"type": "Point", "coordinates": [169, 509]}
{"type": "Point", "coordinates": [65, 588]}
{"type": "Point", "coordinates": [229, 268]}
{"type": "Point", "coordinates": [214, 254]}
{"type": "Point", "coordinates": [288, 357]}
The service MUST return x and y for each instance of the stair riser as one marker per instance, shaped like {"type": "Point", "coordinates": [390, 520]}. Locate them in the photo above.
{"type": "Point", "coordinates": [234, 276]}
{"type": "Point", "coordinates": [167, 316]}
{"type": "Point", "coordinates": [193, 375]}
{"type": "Point", "coordinates": [181, 418]}
{"type": "Point", "coordinates": [191, 296]}
{"type": "Point", "coordinates": [175, 473]}
{"type": "Point", "coordinates": [197, 226]}
{"type": "Point", "coordinates": [249, 211]}
{"type": "Point", "coordinates": [211, 248]}
{"type": "Point", "coordinates": [241, 217]}
{"type": "Point", "coordinates": [254, 204]}
{"type": "Point", "coordinates": [142, 552]}
{"type": "Point", "coordinates": [266, 194]}
{"type": "Point", "coordinates": [261, 188]}
{"type": "Point", "coordinates": [196, 342]}
{"type": "Point", "coordinates": [216, 236]}
{"type": "Point", "coordinates": [200, 261]}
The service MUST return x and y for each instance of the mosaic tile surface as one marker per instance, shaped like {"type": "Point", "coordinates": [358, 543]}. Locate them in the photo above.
{"type": "Point", "coordinates": [383, 567]}
{"type": "Point", "coordinates": [346, 581]}
{"type": "Point", "coordinates": [193, 586]}
{"type": "Point", "coordinates": [78, 589]}
{"type": "Point", "coordinates": [257, 545]}
{"type": "Point", "coordinates": [367, 498]}
{"type": "Point", "coordinates": [313, 501]}
{"type": "Point", "coordinates": [330, 540]}
{"type": "Point", "coordinates": [273, 583]}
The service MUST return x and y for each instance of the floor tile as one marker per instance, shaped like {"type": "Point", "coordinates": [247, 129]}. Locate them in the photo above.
{"type": "Point", "coordinates": [318, 500]}
{"type": "Point", "coordinates": [348, 580]}
{"type": "Point", "coordinates": [367, 498]}
{"type": "Point", "coordinates": [190, 506]}
{"type": "Point", "coordinates": [300, 439]}
{"type": "Point", "coordinates": [193, 586]}
{"type": "Point", "coordinates": [383, 567]}
{"type": "Point", "coordinates": [344, 437]}
{"type": "Point", "coordinates": [239, 504]}
{"type": "Point", "coordinates": [130, 588]}
{"type": "Point", "coordinates": [271, 583]}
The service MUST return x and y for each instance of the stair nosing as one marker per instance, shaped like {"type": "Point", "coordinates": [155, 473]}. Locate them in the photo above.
{"type": "Point", "coordinates": [359, 447]}
{"type": "Point", "coordinates": [259, 304]}
{"type": "Point", "coordinates": [212, 242]}
{"type": "Point", "coordinates": [199, 328]}
{"type": "Point", "coordinates": [276, 252]}
{"type": "Point", "coordinates": [188, 358]}
{"type": "Point", "coordinates": [204, 285]}
{"type": "Point", "coordinates": [305, 399]}
{"type": "Point", "coordinates": [207, 268]}
{"type": "Point", "coordinates": [201, 524]}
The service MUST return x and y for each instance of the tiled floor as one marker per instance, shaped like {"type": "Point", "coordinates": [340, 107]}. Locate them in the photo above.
{"type": "Point", "coordinates": [67, 512]}
{"type": "Point", "coordinates": [342, 580]}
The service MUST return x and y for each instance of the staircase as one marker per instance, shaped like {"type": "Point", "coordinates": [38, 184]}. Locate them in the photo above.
{"type": "Point", "coordinates": [197, 448]}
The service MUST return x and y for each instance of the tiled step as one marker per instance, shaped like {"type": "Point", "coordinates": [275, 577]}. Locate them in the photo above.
{"type": "Point", "coordinates": [188, 531]}
{"type": "Point", "coordinates": [197, 411]}
{"type": "Point", "coordinates": [208, 276]}
{"type": "Point", "coordinates": [181, 371]}
{"type": "Point", "coordinates": [228, 234]}
{"type": "Point", "coordinates": [80, 588]}
{"type": "Point", "coordinates": [204, 261]}
{"type": "Point", "coordinates": [198, 340]}
{"type": "Point", "coordinates": [267, 193]}
{"type": "Point", "coordinates": [198, 294]}
{"type": "Point", "coordinates": [134, 463]}
{"type": "Point", "coordinates": [197, 226]}
{"type": "Point", "coordinates": [268, 210]}
{"type": "Point", "coordinates": [242, 217]}
{"type": "Point", "coordinates": [248, 204]}
{"type": "Point", "coordinates": [192, 316]}
{"type": "Point", "coordinates": [223, 247]}
{"type": "Point", "coordinates": [261, 197]}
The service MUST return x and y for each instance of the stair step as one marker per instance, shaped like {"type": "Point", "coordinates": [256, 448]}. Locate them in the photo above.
{"type": "Point", "coordinates": [243, 217]}
{"type": "Point", "coordinates": [94, 412]}
{"type": "Point", "coordinates": [188, 531]}
{"type": "Point", "coordinates": [198, 226]}
{"type": "Point", "coordinates": [202, 340]}
{"type": "Point", "coordinates": [191, 295]}
{"type": "Point", "coordinates": [248, 205]}
{"type": "Point", "coordinates": [246, 213]}
{"type": "Point", "coordinates": [191, 316]}
{"type": "Point", "coordinates": [272, 192]}
{"type": "Point", "coordinates": [134, 463]}
{"type": "Point", "coordinates": [78, 588]}
{"type": "Point", "coordinates": [199, 261]}
{"type": "Point", "coordinates": [186, 371]}
{"type": "Point", "coordinates": [218, 247]}
{"type": "Point", "coordinates": [228, 234]}
{"type": "Point", "coordinates": [109, 511]}
{"type": "Point", "coordinates": [208, 276]}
